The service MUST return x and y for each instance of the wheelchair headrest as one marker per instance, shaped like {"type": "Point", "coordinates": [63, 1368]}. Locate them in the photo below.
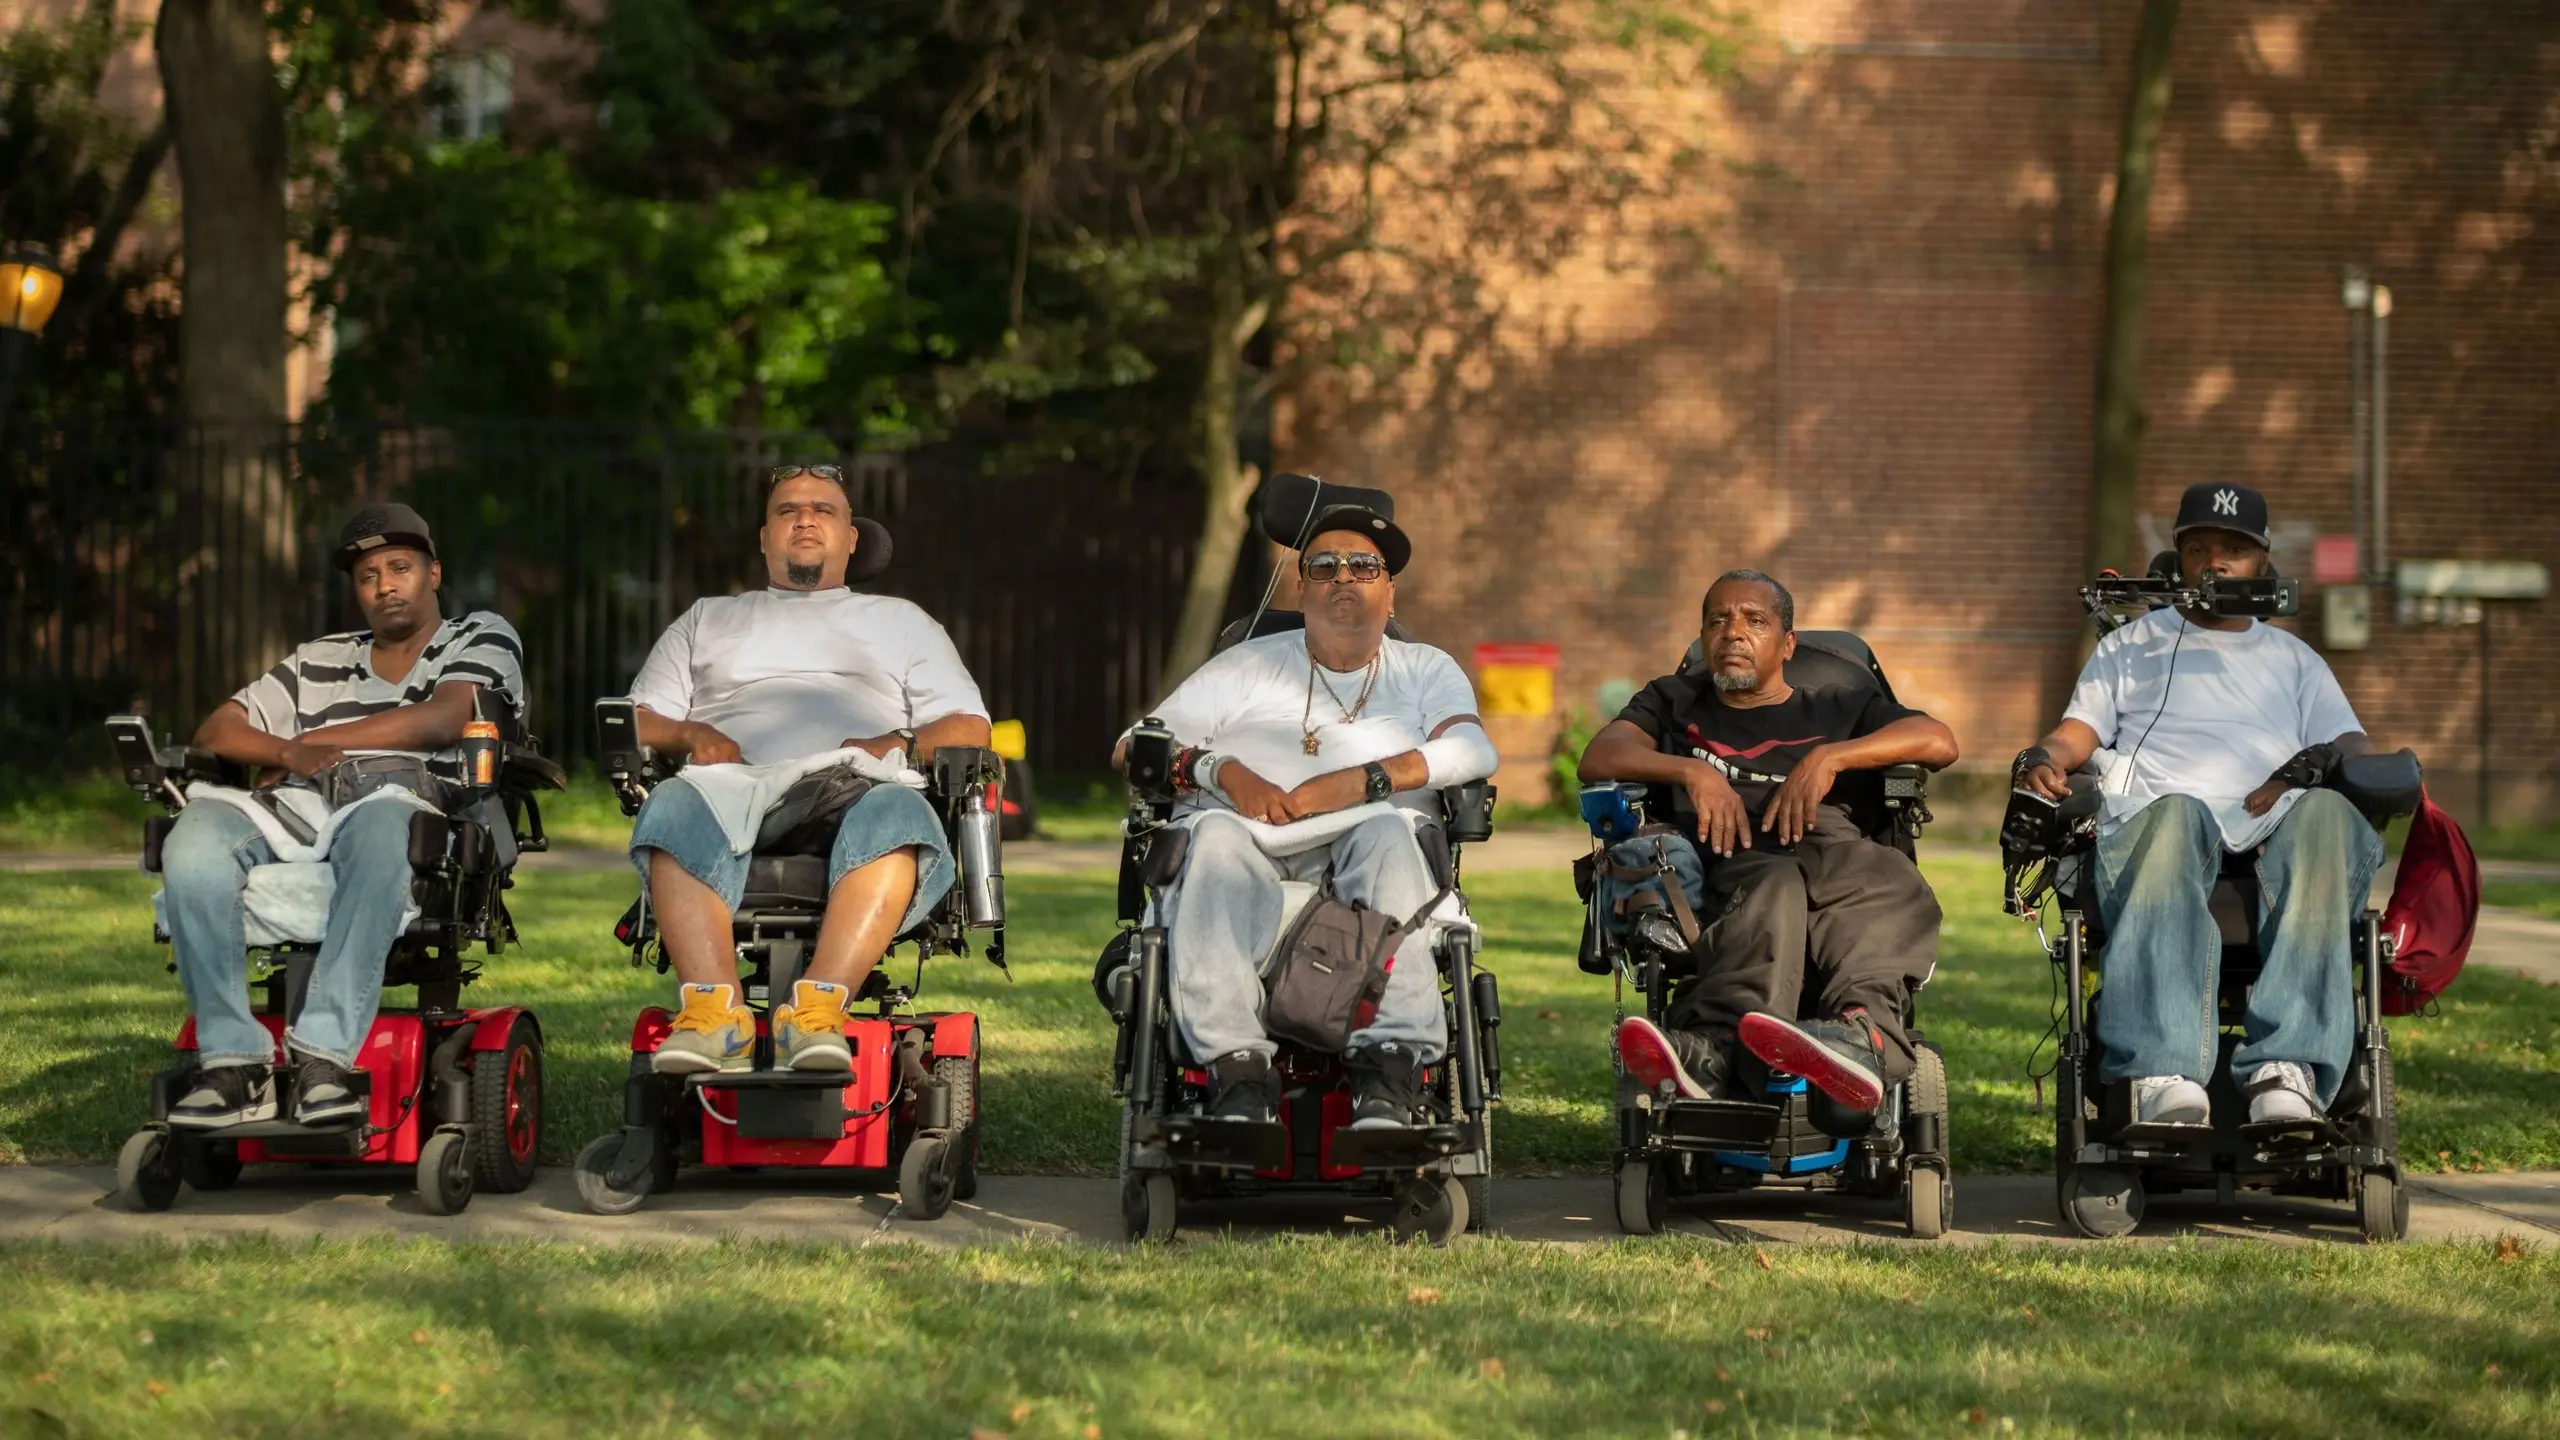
{"type": "Point", "coordinates": [1824, 660]}
{"type": "Point", "coordinates": [1281, 622]}
{"type": "Point", "coordinates": [871, 552]}
{"type": "Point", "coordinates": [1296, 508]}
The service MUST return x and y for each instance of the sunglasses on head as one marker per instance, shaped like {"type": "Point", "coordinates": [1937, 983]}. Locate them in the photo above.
{"type": "Point", "coordinates": [832, 474]}
{"type": "Point", "coordinates": [1358, 566]}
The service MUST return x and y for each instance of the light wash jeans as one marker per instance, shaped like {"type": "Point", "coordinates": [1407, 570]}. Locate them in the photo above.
{"type": "Point", "coordinates": [2164, 954]}
{"type": "Point", "coordinates": [203, 865]}
{"type": "Point", "coordinates": [1222, 916]}
{"type": "Point", "coordinates": [886, 818]}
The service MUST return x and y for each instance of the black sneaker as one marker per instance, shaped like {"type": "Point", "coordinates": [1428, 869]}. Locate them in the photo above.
{"type": "Point", "coordinates": [322, 1096]}
{"type": "Point", "coordinates": [1386, 1085]}
{"type": "Point", "coordinates": [226, 1096]}
{"type": "Point", "coordinates": [1695, 1065]}
{"type": "Point", "coordinates": [1842, 1059]}
{"type": "Point", "coordinates": [1244, 1087]}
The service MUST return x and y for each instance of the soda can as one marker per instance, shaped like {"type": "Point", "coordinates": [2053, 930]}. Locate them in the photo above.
{"type": "Point", "coordinates": [480, 754]}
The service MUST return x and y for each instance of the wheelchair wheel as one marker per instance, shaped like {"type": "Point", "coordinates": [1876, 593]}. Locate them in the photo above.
{"type": "Point", "coordinates": [2382, 1207]}
{"type": "Point", "coordinates": [444, 1173]}
{"type": "Point", "coordinates": [1644, 1196]}
{"type": "Point", "coordinates": [1929, 1203]}
{"type": "Point", "coordinates": [506, 1111]}
{"type": "Point", "coordinates": [147, 1170]}
{"type": "Point", "coordinates": [209, 1165]}
{"type": "Point", "coordinates": [594, 1167]}
{"type": "Point", "coordinates": [960, 1073]}
{"type": "Point", "coordinates": [1429, 1209]}
{"type": "Point", "coordinates": [924, 1177]}
{"type": "Point", "coordinates": [2102, 1201]}
{"type": "Point", "coordinates": [1147, 1205]}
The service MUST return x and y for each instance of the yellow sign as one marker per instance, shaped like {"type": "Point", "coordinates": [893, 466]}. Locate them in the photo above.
{"type": "Point", "coordinates": [1006, 738]}
{"type": "Point", "coordinates": [1517, 689]}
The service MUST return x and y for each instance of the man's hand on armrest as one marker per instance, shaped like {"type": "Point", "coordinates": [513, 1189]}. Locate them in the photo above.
{"type": "Point", "coordinates": [1622, 751]}
{"type": "Point", "coordinates": [2046, 767]}
{"type": "Point", "coordinates": [2315, 766]}
{"type": "Point", "coordinates": [434, 723]}
{"type": "Point", "coordinates": [228, 733]}
{"type": "Point", "coordinates": [698, 743]}
{"type": "Point", "coordinates": [964, 730]}
{"type": "Point", "coordinates": [1342, 789]}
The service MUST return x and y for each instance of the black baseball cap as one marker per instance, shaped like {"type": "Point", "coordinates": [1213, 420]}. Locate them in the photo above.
{"type": "Point", "coordinates": [2217, 506]}
{"type": "Point", "coordinates": [377, 527]}
{"type": "Point", "coordinates": [1298, 508]}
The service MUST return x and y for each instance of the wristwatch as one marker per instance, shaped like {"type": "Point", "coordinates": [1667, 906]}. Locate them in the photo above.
{"type": "Point", "coordinates": [907, 738]}
{"type": "Point", "coordinates": [1381, 785]}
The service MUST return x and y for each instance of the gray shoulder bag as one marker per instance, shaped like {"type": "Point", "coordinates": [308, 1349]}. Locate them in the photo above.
{"type": "Point", "coordinates": [1329, 960]}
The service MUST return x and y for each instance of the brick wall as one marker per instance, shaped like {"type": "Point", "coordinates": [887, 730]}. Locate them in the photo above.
{"type": "Point", "coordinates": [1881, 391]}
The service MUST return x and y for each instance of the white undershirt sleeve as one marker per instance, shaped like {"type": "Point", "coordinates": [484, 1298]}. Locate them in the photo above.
{"type": "Point", "coordinates": [1462, 755]}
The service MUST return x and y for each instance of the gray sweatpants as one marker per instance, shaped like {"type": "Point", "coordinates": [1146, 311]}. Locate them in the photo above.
{"type": "Point", "coordinates": [1223, 917]}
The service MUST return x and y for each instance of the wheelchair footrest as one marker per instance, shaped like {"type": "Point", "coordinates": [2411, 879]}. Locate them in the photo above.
{"type": "Point", "coordinates": [1715, 1124]}
{"type": "Point", "coordinates": [1222, 1144]}
{"type": "Point", "coordinates": [770, 1080]}
{"type": "Point", "coordinates": [1401, 1147]}
{"type": "Point", "coordinates": [2276, 1137]}
{"type": "Point", "coordinates": [299, 1138]}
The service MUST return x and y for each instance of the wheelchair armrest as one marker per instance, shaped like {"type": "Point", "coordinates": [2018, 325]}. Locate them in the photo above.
{"type": "Point", "coordinates": [2088, 797]}
{"type": "Point", "coordinates": [959, 768]}
{"type": "Point", "coordinates": [2384, 787]}
{"type": "Point", "coordinates": [525, 772]}
{"type": "Point", "coordinates": [1467, 811]}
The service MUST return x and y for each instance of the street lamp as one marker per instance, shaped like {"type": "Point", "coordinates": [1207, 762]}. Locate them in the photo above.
{"type": "Point", "coordinates": [30, 286]}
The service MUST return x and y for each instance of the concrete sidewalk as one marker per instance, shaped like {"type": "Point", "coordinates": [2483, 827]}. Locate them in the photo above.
{"type": "Point", "coordinates": [76, 1205]}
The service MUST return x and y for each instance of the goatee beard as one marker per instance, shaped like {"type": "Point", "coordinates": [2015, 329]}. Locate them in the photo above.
{"type": "Point", "coordinates": [803, 577]}
{"type": "Point", "coordinates": [1730, 683]}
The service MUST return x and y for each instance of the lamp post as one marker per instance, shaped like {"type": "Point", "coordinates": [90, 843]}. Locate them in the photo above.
{"type": "Point", "coordinates": [30, 286]}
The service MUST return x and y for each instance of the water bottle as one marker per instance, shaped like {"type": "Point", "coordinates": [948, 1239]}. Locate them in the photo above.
{"type": "Point", "coordinates": [982, 856]}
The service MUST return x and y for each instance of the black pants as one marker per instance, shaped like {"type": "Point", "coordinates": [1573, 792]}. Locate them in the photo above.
{"type": "Point", "coordinates": [1837, 912]}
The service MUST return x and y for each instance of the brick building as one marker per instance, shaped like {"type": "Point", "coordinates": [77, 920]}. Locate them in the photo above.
{"type": "Point", "coordinates": [1883, 390]}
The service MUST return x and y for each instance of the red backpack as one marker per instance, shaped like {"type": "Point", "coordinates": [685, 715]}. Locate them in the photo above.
{"type": "Point", "coordinates": [2435, 905]}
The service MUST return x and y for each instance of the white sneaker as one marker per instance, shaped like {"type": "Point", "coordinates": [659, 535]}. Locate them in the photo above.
{"type": "Point", "coordinates": [2279, 1091]}
{"type": "Point", "coordinates": [2170, 1100]}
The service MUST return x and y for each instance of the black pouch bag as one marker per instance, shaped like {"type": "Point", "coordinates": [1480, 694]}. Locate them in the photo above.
{"type": "Point", "coordinates": [804, 820]}
{"type": "Point", "coordinates": [1331, 958]}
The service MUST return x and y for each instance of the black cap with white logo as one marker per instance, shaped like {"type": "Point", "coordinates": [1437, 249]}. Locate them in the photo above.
{"type": "Point", "coordinates": [2217, 506]}
{"type": "Point", "coordinates": [379, 527]}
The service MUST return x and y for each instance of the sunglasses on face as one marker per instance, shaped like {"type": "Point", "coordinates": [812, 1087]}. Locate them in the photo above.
{"type": "Point", "coordinates": [1327, 566]}
{"type": "Point", "coordinates": [833, 475]}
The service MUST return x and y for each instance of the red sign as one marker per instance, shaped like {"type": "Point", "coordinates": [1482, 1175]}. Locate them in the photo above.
{"type": "Point", "coordinates": [1530, 653]}
{"type": "Point", "coordinates": [2334, 560]}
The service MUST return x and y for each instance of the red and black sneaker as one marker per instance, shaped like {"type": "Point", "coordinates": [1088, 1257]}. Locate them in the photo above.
{"type": "Point", "coordinates": [1694, 1064]}
{"type": "Point", "coordinates": [1842, 1058]}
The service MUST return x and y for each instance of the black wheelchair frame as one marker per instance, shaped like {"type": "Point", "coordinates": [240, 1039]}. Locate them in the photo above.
{"type": "Point", "coordinates": [1671, 1148]}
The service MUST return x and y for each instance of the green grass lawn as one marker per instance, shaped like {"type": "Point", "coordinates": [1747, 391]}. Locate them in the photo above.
{"type": "Point", "coordinates": [2534, 897]}
{"type": "Point", "coordinates": [1295, 1336]}
{"type": "Point", "coordinates": [90, 1008]}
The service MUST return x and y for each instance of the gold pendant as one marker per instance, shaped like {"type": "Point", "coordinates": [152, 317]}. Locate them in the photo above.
{"type": "Point", "coordinates": [1309, 742]}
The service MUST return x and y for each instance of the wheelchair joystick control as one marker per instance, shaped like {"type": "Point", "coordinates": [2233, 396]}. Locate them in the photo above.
{"type": "Point", "coordinates": [1151, 759]}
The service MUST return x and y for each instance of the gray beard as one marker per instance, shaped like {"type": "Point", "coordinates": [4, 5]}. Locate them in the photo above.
{"type": "Point", "coordinates": [1731, 684]}
{"type": "Point", "coordinates": [805, 577]}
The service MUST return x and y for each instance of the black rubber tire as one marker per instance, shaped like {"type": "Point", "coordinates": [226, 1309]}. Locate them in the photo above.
{"type": "Point", "coordinates": [924, 1177]}
{"type": "Point", "coordinates": [2382, 1207]}
{"type": "Point", "coordinates": [595, 1162]}
{"type": "Point", "coordinates": [506, 1111]}
{"type": "Point", "coordinates": [1928, 1205]}
{"type": "Point", "coordinates": [960, 1074]}
{"type": "Point", "coordinates": [445, 1180]}
{"type": "Point", "coordinates": [2102, 1201]}
{"type": "Point", "coordinates": [1150, 1205]}
{"type": "Point", "coordinates": [1429, 1209]}
{"type": "Point", "coordinates": [1929, 1091]}
{"type": "Point", "coordinates": [1643, 1196]}
{"type": "Point", "coordinates": [147, 1170]}
{"type": "Point", "coordinates": [208, 1165]}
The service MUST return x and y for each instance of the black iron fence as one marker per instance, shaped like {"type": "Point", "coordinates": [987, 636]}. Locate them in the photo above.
{"type": "Point", "coordinates": [161, 573]}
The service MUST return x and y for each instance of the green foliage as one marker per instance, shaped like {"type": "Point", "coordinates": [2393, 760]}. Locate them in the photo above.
{"type": "Point", "coordinates": [1566, 761]}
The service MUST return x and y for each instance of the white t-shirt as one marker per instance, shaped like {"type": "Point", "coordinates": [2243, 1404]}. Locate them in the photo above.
{"type": "Point", "coordinates": [793, 673]}
{"type": "Point", "coordinates": [1245, 705]}
{"type": "Point", "coordinates": [2239, 704]}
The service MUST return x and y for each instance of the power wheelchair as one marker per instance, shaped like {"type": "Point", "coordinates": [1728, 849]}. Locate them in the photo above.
{"type": "Point", "coordinates": [1436, 1176]}
{"type": "Point", "coordinates": [1673, 1149]}
{"type": "Point", "coordinates": [2106, 1165]}
{"type": "Point", "coordinates": [910, 1102]}
{"type": "Point", "coordinates": [454, 1091]}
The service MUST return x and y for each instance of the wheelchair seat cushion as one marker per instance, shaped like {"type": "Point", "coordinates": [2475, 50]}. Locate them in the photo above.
{"type": "Point", "coordinates": [786, 882]}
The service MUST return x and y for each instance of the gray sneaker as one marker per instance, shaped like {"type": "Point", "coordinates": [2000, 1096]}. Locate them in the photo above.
{"type": "Point", "coordinates": [226, 1096]}
{"type": "Point", "coordinates": [713, 1033]}
{"type": "Point", "coordinates": [322, 1096]}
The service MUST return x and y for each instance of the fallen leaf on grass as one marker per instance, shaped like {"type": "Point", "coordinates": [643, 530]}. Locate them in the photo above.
{"type": "Point", "coordinates": [1756, 1332]}
{"type": "Point", "coordinates": [1092, 1432]}
{"type": "Point", "coordinates": [2510, 1250]}
{"type": "Point", "coordinates": [1491, 1369]}
{"type": "Point", "coordinates": [41, 1377]}
{"type": "Point", "coordinates": [1715, 1407]}
{"type": "Point", "coordinates": [1760, 1258]}
{"type": "Point", "coordinates": [2029, 1311]}
{"type": "Point", "coordinates": [981, 1432]}
{"type": "Point", "coordinates": [142, 1337]}
{"type": "Point", "coordinates": [1722, 1375]}
{"type": "Point", "coordinates": [158, 1387]}
{"type": "Point", "coordinates": [1777, 1352]}
{"type": "Point", "coordinates": [1549, 1015]}
{"type": "Point", "coordinates": [2491, 1371]}
{"type": "Point", "coordinates": [418, 1337]}
{"type": "Point", "coordinates": [1976, 1415]}
{"type": "Point", "coordinates": [444, 1387]}
{"type": "Point", "coordinates": [1422, 1295]}
{"type": "Point", "coordinates": [1021, 1412]}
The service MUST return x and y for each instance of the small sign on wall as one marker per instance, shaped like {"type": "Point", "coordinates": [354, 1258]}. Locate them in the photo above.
{"type": "Point", "coordinates": [2334, 560]}
{"type": "Point", "coordinates": [1516, 678]}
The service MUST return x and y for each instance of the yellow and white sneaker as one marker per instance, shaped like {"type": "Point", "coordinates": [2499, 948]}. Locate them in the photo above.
{"type": "Point", "coordinates": [808, 1033]}
{"type": "Point", "coordinates": [713, 1033]}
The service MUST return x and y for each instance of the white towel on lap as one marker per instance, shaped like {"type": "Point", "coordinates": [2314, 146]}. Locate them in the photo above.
{"type": "Point", "coordinates": [284, 904]}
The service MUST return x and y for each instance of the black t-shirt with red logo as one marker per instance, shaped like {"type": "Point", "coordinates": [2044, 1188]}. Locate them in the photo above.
{"type": "Point", "coordinates": [1755, 746]}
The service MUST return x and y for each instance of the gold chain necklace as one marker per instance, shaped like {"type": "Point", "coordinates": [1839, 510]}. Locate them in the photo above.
{"type": "Point", "coordinates": [1350, 713]}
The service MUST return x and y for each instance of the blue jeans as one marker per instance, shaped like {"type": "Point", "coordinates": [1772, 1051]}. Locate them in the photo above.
{"type": "Point", "coordinates": [2164, 953]}
{"type": "Point", "coordinates": [886, 818]}
{"type": "Point", "coordinates": [203, 865]}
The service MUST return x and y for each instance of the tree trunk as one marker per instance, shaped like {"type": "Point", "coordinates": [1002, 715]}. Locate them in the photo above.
{"type": "Point", "coordinates": [1228, 481]}
{"type": "Point", "coordinates": [2120, 418]}
{"type": "Point", "coordinates": [226, 119]}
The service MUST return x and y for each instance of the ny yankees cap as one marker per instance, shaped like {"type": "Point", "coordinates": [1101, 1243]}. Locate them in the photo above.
{"type": "Point", "coordinates": [2216, 506]}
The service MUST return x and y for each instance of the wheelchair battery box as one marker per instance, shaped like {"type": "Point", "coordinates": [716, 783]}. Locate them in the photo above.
{"type": "Point", "coordinates": [790, 1106]}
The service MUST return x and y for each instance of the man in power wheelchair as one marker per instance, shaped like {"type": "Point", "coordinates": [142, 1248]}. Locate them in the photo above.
{"type": "Point", "coordinates": [1767, 907]}
{"type": "Point", "coordinates": [2214, 864]}
{"type": "Point", "coordinates": [382, 855]}
{"type": "Point", "coordinates": [833, 754]}
{"type": "Point", "coordinates": [1290, 885]}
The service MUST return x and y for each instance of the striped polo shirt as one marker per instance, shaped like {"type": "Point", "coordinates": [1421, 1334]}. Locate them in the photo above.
{"type": "Point", "coordinates": [330, 681]}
